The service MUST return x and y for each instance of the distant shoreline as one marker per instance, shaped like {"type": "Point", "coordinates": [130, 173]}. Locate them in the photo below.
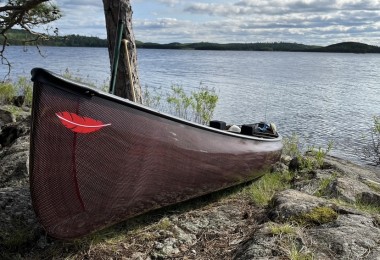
{"type": "Point", "coordinates": [344, 47]}
{"type": "Point", "coordinates": [18, 37]}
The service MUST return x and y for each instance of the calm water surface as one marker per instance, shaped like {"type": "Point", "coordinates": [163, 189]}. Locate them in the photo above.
{"type": "Point", "coordinates": [320, 96]}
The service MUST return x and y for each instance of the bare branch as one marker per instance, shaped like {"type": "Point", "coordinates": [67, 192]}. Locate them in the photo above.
{"type": "Point", "coordinates": [26, 14]}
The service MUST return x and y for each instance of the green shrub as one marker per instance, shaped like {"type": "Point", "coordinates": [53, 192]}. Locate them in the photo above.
{"type": "Point", "coordinates": [198, 106]}
{"type": "Point", "coordinates": [67, 74]}
{"type": "Point", "coordinates": [204, 105]}
{"type": "Point", "coordinates": [7, 92]}
{"type": "Point", "coordinates": [152, 97]}
{"type": "Point", "coordinates": [318, 155]}
{"type": "Point", "coordinates": [292, 146]}
{"type": "Point", "coordinates": [22, 87]}
{"type": "Point", "coordinates": [314, 158]}
{"type": "Point", "coordinates": [25, 88]}
{"type": "Point", "coordinates": [324, 184]}
{"type": "Point", "coordinates": [180, 103]}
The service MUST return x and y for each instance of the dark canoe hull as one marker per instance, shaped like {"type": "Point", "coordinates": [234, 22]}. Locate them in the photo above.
{"type": "Point", "coordinates": [129, 160]}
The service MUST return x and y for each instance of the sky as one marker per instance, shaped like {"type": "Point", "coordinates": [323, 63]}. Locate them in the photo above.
{"type": "Point", "coordinates": [318, 22]}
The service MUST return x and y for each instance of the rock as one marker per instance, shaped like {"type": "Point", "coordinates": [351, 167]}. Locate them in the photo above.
{"type": "Point", "coordinates": [170, 247]}
{"type": "Point", "coordinates": [262, 245]}
{"type": "Point", "coordinates": [346, 236]}
{"type": "Point", "coordinates": [294, 165]}
{"type": "Point", "coordinates": [13, 167]}
{"type": "Point", "coordinates": [183, 237]}
{"type": "Point", "coordinates": [6, 117]}
{"type": "Point", "coordinates": [285, 159]}
{"type": "Point", "coordinates": [195, 225]}
{"type": "Point", "coordinates": [25, 117]}
{"type": "Point", "coordinates": [17, 216]}
{"type": "Point", "coordinates": [315, 183]}
{"type": "Point", "coordinates": [11, 132]}
{"type": "Point", "coordinates": [370, 198]}
{"type": "Point", "coordinates": [351, 170]}
{"type": "Point", "coordinates": [350, 237]}
{"type": "Point", "coordinates": [279, 167]}
{"type": "Point", "coordinates": [138, 256]}
{"type": "Point", "coordinates": [18, 101]}
{"type": "Point", "coordinates": [292, 203]}
{"type": "Point", "coordinates": [347, 189]}
{"type": "Point", "coordinates": [42, 242]}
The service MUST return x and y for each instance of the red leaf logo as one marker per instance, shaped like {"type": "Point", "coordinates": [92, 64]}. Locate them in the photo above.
{"type": "Point", "coordinates": [80, 124]}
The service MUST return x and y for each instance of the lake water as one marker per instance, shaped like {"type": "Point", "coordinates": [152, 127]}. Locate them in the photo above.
{"type": "Point", "coordinates": [321, 97]}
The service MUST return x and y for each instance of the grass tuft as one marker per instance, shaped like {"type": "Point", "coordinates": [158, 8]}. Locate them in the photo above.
{"type": "Point", "coordinates": [373, 186]}
{"type": "Point", "coordinates": [358, 205]}
{"type": "Point", "coordinates": [263, 190]}
{"type": "Point", "coordinates": [164, 224]}
{"type": "Point", "coordinates": [324, 184]}
{"type": "Point", "coordinates": [370, 208]}
{"type": "Point", "coordinates": [297, 254]}
{"type": "Point", "coordinates": [317, 216]}
{"type": "Point", "coordinates": [282, 229]}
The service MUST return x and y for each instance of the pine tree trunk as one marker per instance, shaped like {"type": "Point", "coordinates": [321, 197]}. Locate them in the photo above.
{"type": "Point", "coordinates": [123, 87]}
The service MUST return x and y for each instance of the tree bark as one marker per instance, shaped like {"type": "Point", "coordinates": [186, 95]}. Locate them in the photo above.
{"type": "Point", "coordinates": [124, 86]}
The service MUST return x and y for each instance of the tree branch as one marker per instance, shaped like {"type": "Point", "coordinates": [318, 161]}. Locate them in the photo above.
{"type": "Point", "coordinates": [27, 6]}
{"type": "Point", "coordinates": [27, 14]}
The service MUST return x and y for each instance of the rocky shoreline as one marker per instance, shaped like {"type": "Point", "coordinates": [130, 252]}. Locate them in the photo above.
{"type": "Point", "coordinates": [329, 212]}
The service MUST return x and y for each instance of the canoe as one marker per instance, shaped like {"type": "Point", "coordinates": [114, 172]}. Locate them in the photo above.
{"type": "Point", "coordinates": [97, 159]}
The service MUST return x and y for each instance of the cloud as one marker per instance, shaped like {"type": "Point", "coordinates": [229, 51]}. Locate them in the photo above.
{"type": "Point", "coordinates": [160, 23]}
{"type": "Point", "coordinates": [285, 19]}
{"type": "Point", "coordinates": [280, 7]}
{"type": "Point", "coordinates": [306, 21]}
{"type": "Point", "coordinates": [84, 17]}
{"type": "Point", "coordinates": [170, 2]}
{"type": "Point", "coordinates": [218, 9]}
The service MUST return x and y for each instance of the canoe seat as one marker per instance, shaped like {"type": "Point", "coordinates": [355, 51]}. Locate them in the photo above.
{"type": "Point", "coordinates": [218, 124]}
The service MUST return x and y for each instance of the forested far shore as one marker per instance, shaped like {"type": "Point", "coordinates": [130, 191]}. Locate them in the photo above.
{"type": "Point", "coordinates": [18, 37]}
{"type": "Point", "coordinates": [344, 47]}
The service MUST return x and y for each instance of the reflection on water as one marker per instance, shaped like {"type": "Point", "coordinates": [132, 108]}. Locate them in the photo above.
{"type": "Point", "coordinates": [320, 96]}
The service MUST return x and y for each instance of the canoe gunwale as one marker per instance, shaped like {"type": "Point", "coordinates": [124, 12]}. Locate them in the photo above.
{"type": "Point", "coordinates": [45, 76]}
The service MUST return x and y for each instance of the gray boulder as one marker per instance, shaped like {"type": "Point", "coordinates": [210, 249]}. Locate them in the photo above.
{"type": "Point", "coordinates": [351, 190]}
{"type": "Point", "coordinates": [292, 203]}
{"type": "Point", "coordinates": [18, 223]}
{"type": "Point", "coordinates": [13, 163]}
{"type": "Point", "coordinates": [349, 237]}
{"type": "Point", "coordinates": [6, 117]}
{"type": "Point", "coordinates": [352, 170]}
